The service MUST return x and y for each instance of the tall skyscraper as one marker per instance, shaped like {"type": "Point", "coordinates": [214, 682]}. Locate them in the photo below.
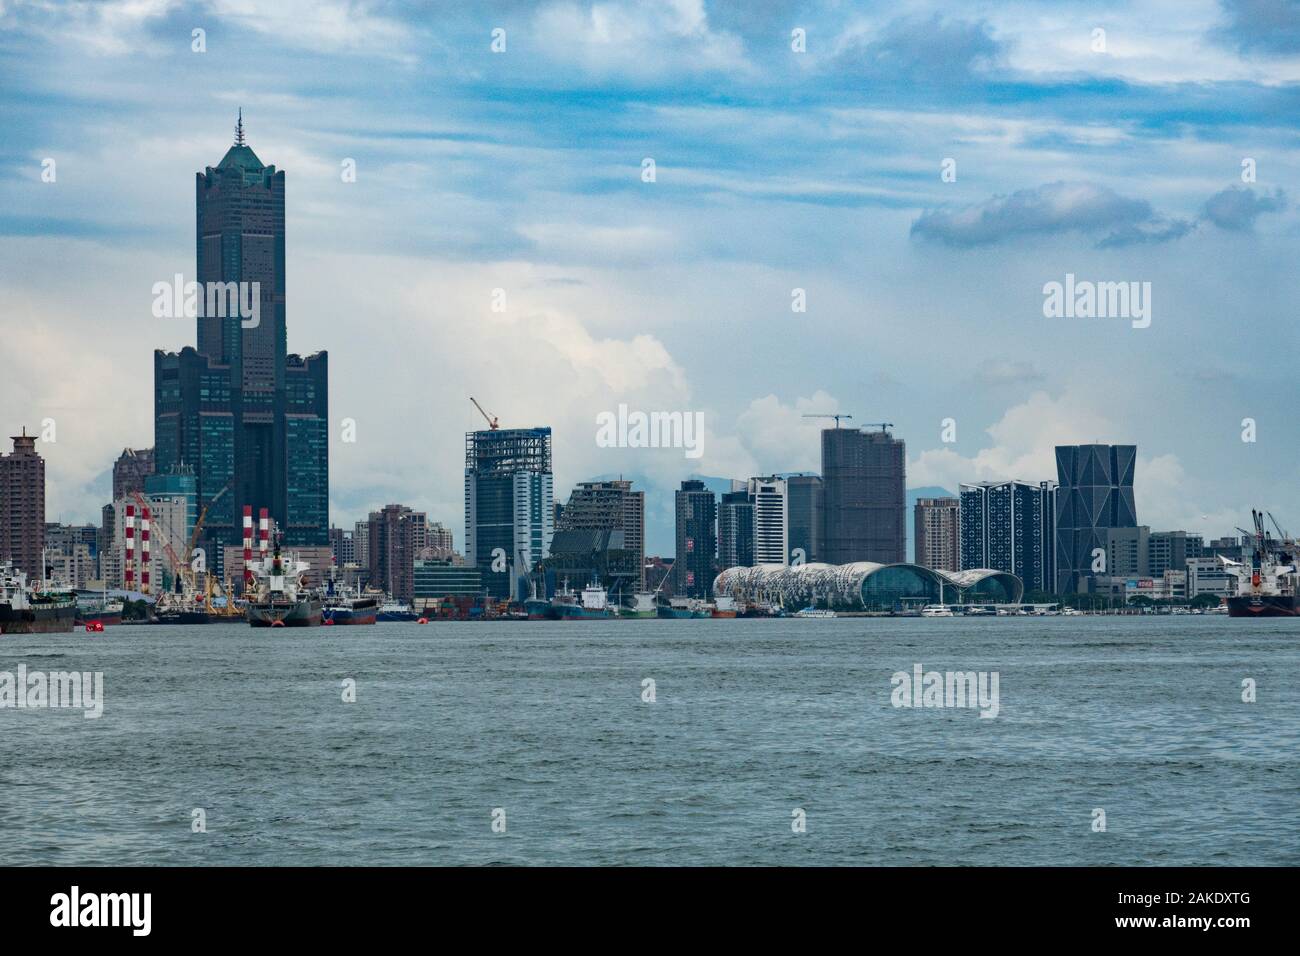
{"type": "Point", "coordinates": [771, 520]}
{"type": "Point", "coordinates": [805, 497]}
{"type": "Point", "coordinates": [22, 506]}
{"type": "Point", "coordinates": [736, 528]}
{"type": "Point", "coordinates": [697, 536]}
{"type": "Point", "coordinates": [509, 505]}
{"type": "Point", "coordinates": [250, 418]}
{"type": "Point", "coordinates": [936, 539]}
{"type": "Point", "coordinates": [1010, 526]}
{"type": "Point", "coordinates": [1096, 494]}
{"type": "Point", "coordinates": [864, 496]}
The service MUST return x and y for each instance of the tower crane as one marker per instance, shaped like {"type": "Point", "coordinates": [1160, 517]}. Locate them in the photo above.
{"type": "Point", "coordinates": [828, 415]}
{"type": "Point", "coordinates": [881, 425]}
{"type": "Point", "coordinates": [491, 419]}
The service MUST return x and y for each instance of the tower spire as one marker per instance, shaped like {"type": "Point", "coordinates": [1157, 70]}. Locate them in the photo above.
{"type": "Point", "coordinates": [239, 128]}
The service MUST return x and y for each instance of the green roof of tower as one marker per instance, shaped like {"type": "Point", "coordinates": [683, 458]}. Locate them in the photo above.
{"type": "Point", "coordinates": [240, 154]}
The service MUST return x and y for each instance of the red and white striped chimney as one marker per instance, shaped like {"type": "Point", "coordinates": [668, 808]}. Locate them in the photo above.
{"type": "Point", "coordinates": [144, 550]}
{"type": "Point", "coordinates": [263, 531]}
{"type": "Point", "coordinates": [129, 564]}
{"type": "Point", "coordinates": [248, 544]}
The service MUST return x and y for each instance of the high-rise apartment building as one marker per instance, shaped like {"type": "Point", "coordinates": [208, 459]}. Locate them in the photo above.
{"type": "Point", "coordinates": [936, 537]}
{"type": "Point", "coordinates": [22, 506]}
{"type": "Point", "coordinates": [697, 537]}
{"type": "Point", "coordinates": [864, 496]}
{"type": "Point", "coordinates": [736, 528]}
{"type": "Point", "coordinates": [509, 506]}
{"type": "Point", "coordinates": [771, 520]}
{"type": "Point", "coordinates": [130, 470]}
{"type": "Point", "coordinates": [1096, 495]}
{"type": "Point", "coordinates": [396, 534]}
{"type": "Point", "coordinates": [1010, 526]}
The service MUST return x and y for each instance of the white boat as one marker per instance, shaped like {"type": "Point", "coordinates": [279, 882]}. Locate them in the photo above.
{"type": "Point", "coordinates": [936, 610]}
{"type": "Point", "coordinates": [815, 612]}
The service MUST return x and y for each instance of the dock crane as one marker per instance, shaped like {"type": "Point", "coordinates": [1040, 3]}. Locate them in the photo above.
{"type": "Point", "coordinates": [828, 415]}
{"type": "Point", "coordinates": [491, 419]}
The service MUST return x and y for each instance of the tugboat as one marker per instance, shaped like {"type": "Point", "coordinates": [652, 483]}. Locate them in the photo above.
{"type": "Point", "coordinates": [281, 597]}
{"type": "Point", "coordinates": [24, 610]}
{"type": "Point", "coordinates": [1267, 586]}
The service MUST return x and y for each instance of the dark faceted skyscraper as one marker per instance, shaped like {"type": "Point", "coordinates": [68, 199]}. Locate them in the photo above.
{"type": "Point", "coordinates": [697, 540]}
{"type": "Point", "coordinates": [1096, 493]}
{"type": "Point", "coordinates": [864, 497]}
{"type": "Point", "coordinates": [239, 409]}
{"type": "Point", "coordinates": [805, 493]}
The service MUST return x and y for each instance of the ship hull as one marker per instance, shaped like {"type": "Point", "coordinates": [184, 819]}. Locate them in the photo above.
{"type": "Point", "coordinates": [365, 614]}
{"type": "Point", "coordinates": [578, 613]}
{"type": "Point", "coordinates": [184, 617]}
{"type": "Point", "coordinates": [305, 612]}
{"type": "Point", "coordinates": [51, 619]}
{"type": "Point", "coordinates": [1267, 605]}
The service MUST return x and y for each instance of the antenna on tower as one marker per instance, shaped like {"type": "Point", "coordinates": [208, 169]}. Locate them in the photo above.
{"type": "Point", "coordinates": [239, 128]}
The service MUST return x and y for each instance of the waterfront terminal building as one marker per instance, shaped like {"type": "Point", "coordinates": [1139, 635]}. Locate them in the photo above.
{"type": "Point", "coordinates": [867, 586]}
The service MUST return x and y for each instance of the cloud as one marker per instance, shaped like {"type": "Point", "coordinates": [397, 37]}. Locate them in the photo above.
{"type": "Point", "coordinates": [1270, 27]}
{"type": "Point", "coordinates": [660, 40]}
{"type": "Point", "coordinates": [935, 49]}
{"type": "Point", "coordinates": [1237, 207]}
{"type": "Point", "coordinates": [991, 373]}
{"type": "Point", "coordinates": [1050, 209]}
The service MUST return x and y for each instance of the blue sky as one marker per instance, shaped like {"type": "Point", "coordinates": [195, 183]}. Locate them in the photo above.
{"type": "Point", "coordinates": [775, 170]}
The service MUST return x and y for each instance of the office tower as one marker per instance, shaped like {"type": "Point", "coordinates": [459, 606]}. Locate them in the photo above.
{"type": "Point", "coordinates": [771, 520]}
{"type": "Point", "coordinates": [396, 534]}
{"type": "Point", "coordinates": [736, 529]}
{"type": "Point", "coordinates": [1171, 550]}
{"type": "Point", "coordinates": [509, 506]}
{"type": "Point", "coordinates": [864, 496]}
{"type": "Point", "coordinates": [22, 506]}
{"type": "Point", "coordinates": [130, 470]}
{"type": "Point", "coordinates": [697, 536]}
{"type": "Point", "coordinates": [1010, 526]}
{"type": "Point", "coordinates": [249, 417]}
{"type": "Point", "coordinates": [600, 534]}
{"type": "Point", "coordinates": [804, 493]}
{"type": "Point", "coordinates": [1096, 494]}
{"type": "Point", "coordinates": [936, 538]}
{"type": "Point", "coordinates": [1127, 552]}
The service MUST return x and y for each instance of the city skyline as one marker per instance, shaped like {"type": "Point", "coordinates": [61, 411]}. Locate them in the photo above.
{"type": "Point", "coordinates": [461, 192]}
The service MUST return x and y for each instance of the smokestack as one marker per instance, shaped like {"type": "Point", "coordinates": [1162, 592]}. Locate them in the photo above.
{"type": "Point", "coordinates": [248, 545]}
{"type": "Point", "coordinates": [144, 551]}
{"type": "Point", "coordinates": [263, 530]}
{"type": "Point", "coordinates": [129, 531]}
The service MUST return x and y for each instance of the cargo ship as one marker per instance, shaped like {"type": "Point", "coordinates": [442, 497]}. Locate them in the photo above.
{"type": "Point", "coordinates": [25, 610]}
{"type": "Point", "coordinates": [1266, 587]}
{"type": "Point", "coordinates": [681, 608]}
{"type": "Point", "coordinates": [592, 605]}
{"type": "Point", "coordinates": [280, 595]}
{"type": "Point", "coordinates": [349, 609]}
{"type": "Point", "coordinates": [724, 606]}
{"type": "Point", "coordinates": [99, 607]}
{"type": "Point", "coordinates": [394, 611]}
{"type": "Point", "coordinates": [642, 606]}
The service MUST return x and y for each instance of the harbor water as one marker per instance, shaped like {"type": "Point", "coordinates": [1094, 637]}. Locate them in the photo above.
{"type": "Point", "coordinates": [661, 742]}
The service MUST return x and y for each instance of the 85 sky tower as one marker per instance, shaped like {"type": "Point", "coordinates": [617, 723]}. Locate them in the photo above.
{"type": "Point", "coordinates": [240, 409]}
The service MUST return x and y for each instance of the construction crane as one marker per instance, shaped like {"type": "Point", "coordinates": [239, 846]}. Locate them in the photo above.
{"type": "Point", "coordinates": [198, 526]}
{"type": "Point", "coordinates": [827, 415]}
{"type": "Point", "coordinates": [491, 419]}
{"type": "Point", "coordinates": [881, 425]}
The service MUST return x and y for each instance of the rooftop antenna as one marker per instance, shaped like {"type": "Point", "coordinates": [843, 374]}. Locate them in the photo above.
{"type": "Point", "coordinates": [239, 129]}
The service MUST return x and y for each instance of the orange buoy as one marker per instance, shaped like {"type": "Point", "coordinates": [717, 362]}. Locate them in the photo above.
{"type": "Point", "coordinates": [423, 620]}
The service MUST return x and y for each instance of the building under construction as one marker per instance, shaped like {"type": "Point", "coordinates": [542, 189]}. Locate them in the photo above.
{"type": "Point", "coordinates": [509, 505]}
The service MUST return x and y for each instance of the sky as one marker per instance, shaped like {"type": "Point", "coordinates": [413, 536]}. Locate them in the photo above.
{"type": "Point", "coordinates": [1114, 142]}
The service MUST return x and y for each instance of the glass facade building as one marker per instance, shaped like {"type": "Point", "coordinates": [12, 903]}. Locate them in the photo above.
{"type": "Point", "coordinates": [509, 506]}
{"type": "Point", "coordinates": [697, 540]}
{"type": "Point", "coordinates": [240, 409]}
{"type": "Point", "coordinates": [1010, 526]}
{"type": "Point", "coordinates": [1095, 495]}
{"type": "Point", "coordinates": [864, 496]}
